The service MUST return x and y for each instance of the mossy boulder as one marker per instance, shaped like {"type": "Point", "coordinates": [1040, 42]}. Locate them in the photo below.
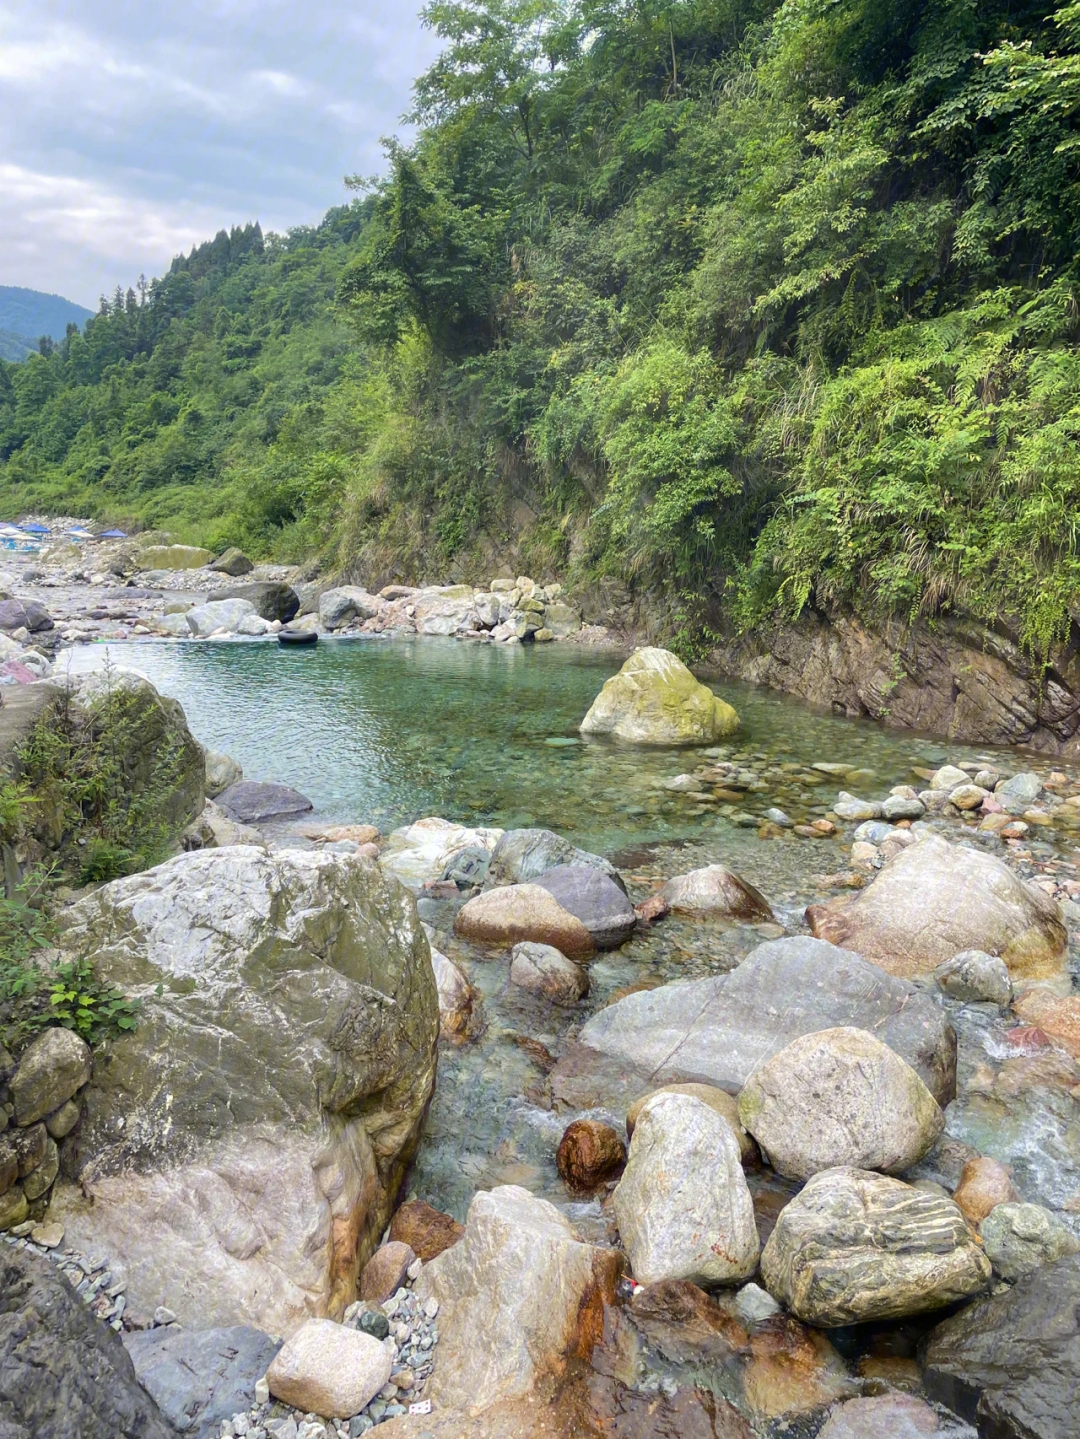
{"type": "Point", "coordinates": [173, 557]}
{"type": "Point", "coordinates": [654, 699]}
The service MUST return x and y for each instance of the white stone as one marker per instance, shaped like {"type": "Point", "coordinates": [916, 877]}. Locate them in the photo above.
{"type": "Point", "coordinates": [327, 1369]}
{"type": "Point", "coordinates": [682, 1206]}
{"type": "Point", "coordinates": [205, 620]}
{"type": "Point", "coordinates": [420, 852]}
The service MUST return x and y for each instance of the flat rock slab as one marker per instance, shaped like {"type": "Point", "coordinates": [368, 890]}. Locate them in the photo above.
{"type": "Point", "coordinates": [719, 1030]}
{"type": "Point", "coordinates": [1011, 1363]}
{"type": "Point", "coordinates": [198, 1377]}
{"type": "Point", "coordinates": [64, 1374]}
{"type": "Point", "coordinates": [250, 801]}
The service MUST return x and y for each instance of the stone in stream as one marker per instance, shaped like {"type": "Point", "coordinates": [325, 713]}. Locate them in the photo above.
{"type": "Point", "coordinates": [198, 1377]}
{"type": "Point", "coordinates": [793, 1370]}
{"type": "Point", "coordinates": [270, 599]}
{"type": "Point", "coordinates": [948, 777]}
{"type": "Point", "coordinates": [386, 1271]}
{"type": "Point", "coordinates": [682, 1206]}
{"type": "Point", "coordinates": [523, 855]}
{"type": "Point", "coordinates": [231, 562]}
{"type": "Point", "coordinates": [984, 1184]}
{"type": "Point", "coordinates": [854, 1246]}
{"type": "Point", "coordinates": [973, 976]}
{"type": "Point", "coordinates": [589, 1153]}
{"type": "Point", "coordinates": [718, 1030]}
{"type": "Point", "coordinates": [249, 801]}
{"type": "Point", "coordinates": [425, 1229]}
{"type": "Point", "coordinates": [542, 969]}
{"type": "Point", "coordinates": [523, 1279]}
{"type": "Point", "coordinates": [1011, 1363]}
{"type": "Point", "coordinates": [596, 900]}
{"type": "Point", "coordinates": [455, 996]}
{"type": "Point", "coordinates": [714, 890]}
{"type": "Point", "coordinates": [1021, 1237]}
{"type": "Point", "coordinates": [329, 1369]}
{"type": "Point", "coordinates": [215, 830]}
{"type": "Point", "coordinates": [1058, 1016]}
{"type": "Point", "coordinates": [654, 699]}
{"type": "Point", "coordinates": [221, 772]}
{"type": "Point", "coordinates": [338, 606]}
{"type": "Point", "coordinates": [1019, 793]}
{"type": "Point", "coordinates": [252, 1132]}
{"type": "Point", "coordinates": [420, 852]}
{"type": "Point", "coordinates": [934, 900]}
{"type": "Point", "coordinates": [24, 615]}
{"type": "Point", "coordinates": [839, 1097]}
{"type": "Point", "coordinates": [967, 796]}
{"type": "Point", "coordinates": [523, 912]}
{"type": "Point", "coordinates": [53, 1067]}
{"type": "Point", "coordinates": [850, 808]}
{"type": "Point", "coordinates": [204, 620]}
{"type": "Point", "coordinates": [897, 807]}
{"type": "Point", "coordinates": [64, 1374]}
{"type": "Point", "coordinates": [726, 1105]}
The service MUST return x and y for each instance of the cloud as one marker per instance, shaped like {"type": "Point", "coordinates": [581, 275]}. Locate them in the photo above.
{"type": "Point", "coordinates": [132, 132]}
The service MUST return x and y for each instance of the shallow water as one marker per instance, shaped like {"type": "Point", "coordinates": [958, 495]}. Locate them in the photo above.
{"type": "Point", "coordinates": [386, 731]}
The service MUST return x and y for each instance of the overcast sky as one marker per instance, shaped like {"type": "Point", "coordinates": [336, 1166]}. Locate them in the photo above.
{"type": "Point", "coordinates": [129, 131]}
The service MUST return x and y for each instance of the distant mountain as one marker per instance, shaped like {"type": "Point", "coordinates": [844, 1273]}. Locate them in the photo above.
{"type": "Point", "coordinates": [26, 315]}
{"type": "Point", "coordinates": [15, 347]}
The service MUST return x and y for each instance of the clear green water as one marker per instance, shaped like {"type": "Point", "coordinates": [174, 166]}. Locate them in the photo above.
{"type": "Point", "coordinates": [389, 731]}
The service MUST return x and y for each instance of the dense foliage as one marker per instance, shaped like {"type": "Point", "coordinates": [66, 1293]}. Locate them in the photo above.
{"type": "Point", "coordinates": [761, 304]}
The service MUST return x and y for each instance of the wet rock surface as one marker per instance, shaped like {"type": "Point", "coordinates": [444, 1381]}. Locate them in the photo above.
{"type": "Point", "coordinates": [200, 1377]}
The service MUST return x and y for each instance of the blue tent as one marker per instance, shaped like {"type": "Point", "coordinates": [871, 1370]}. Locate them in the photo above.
{"type": "Point", "coordinates": [112, 535]}
{"type": "Point", "coordinates": [34, 529]}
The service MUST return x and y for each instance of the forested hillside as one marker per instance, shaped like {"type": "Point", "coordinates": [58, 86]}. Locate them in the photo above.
{"type": "Point", "coordinates": [759, 305]}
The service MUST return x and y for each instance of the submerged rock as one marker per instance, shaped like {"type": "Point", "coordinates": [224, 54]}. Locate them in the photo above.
{"type": "Point", "coordinates": [683, 1207]}
{"type": "Point", "coordinates": [523, 1279]}
{"type": "Point", "coordinates": [1011, 1363]}
{"type": "Point", "coordinates": [889, 1416]}
{"type": "Point", "coordinates": [1057, 1016]}
{"type": "Point", "coordinates": [718, 1030]}
{"type": "Point", "coordinates": [64, 1374]}
{"type": "Point", "coordinates": [542, 969]}
{"type": "Point", "coordinates": [937, 899]}
{"type": "Point", "coordinates": [984, 1184]}
{"type": "Point", "coordinates": [455, 996]}
{"type": "Point", "coordinates": [716, 891]}
{"type": "Point", "coordinates": [974, 976]}
{"type": "Point", "coordinates": [654, 699]}
{"type": "Point", "coordinates": [839, 1097]}
{"type": "Point", "coordinates": [1020, 1237]}
{"type": "Point", "coordinates": [253, 1130]}
{"type": "Point", "coordinates": [854, 1246]}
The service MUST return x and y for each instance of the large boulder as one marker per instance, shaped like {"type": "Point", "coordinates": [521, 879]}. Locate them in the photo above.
{"type": "Point", "coordinates": [1011, 1363]}
{"type": "Point", "coordinates": [160, 757]}
{"type": "Point", "coordinates": [542, 969]}
{"type": "Point", "coordinates": [64, 1374]}
{"type": "Point", "coordinates": [855, 1246]}
{"type": "Point", "coordinates": [423, 851]}
{"type": "Point", "coordinates": [251, 1134]}
{"type": "Point", "coordinates": [270, 599]}
{"type": "Point", "coordinates": [523, 912]}
{"type": "Point", "coordinates": [231, 562]}
{"type": "Point", "coordinates": [221, 772]}
{"type": "Point", "coordinates": [173, 557]}
{"type": "Point", "coordinates": [889, 1416]}
{"type": "Point", "coordinates": [222, 614]}
{"type": "Point", "coordinates": [654, 699]}
{"type": "Point", "coordinates": [347, 602]}
{"type": "Point", "coordinates": [718, 1030]}
{"type": "Point", "coordinates": [596, 900]}
{"type": "Point", "coordinates": [522, 1278]}
{"type": "Point", "coordinates": [839, 1097]}
{"type": "Point", "coordinates": [24, 614]}
{"type": "Point", "coordinates": [329, 1369]}
{"type": "Point", "coordinates": [249, 801]}
{"type": "Point", "coordinates": [683, 1207]}
{"type": "Point", "coordinates": [936, 899]}
{"type": "Point", "coordinates": [716, 891]}
{"type": "Point", "coordinates": [198, 1377]}
{"type": "Point", "coordinates": [523, 855]}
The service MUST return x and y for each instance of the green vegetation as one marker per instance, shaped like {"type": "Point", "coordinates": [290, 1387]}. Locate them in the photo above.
{"type": "Point", "coordinates": [759, 305]}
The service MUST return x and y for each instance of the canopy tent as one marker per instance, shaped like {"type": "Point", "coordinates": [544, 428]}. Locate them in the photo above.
{"type": "Point", "coordinates": [33, 528]}
{"type": "Point", "coordinates": [112, 535]}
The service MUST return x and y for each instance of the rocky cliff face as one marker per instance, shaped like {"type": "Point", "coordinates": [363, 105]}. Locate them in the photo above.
{"type": "Point", "coordinates": [958, 678]}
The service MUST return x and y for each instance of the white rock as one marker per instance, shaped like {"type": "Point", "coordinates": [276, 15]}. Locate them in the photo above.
{"type": "Point", "coordinates": [948, 777]}
{"type": "Point", "coordinates": [682, 1206]}
{"type": "Point", "coordinates": [327, 1369]}
{"type": "Point", "coordinates": [205, 620]}
{"type": "Point", "coordinates": [420, 852]}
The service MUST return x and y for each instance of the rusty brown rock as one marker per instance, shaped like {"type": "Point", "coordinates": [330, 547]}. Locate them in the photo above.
{"type": "Point", "coordinates": [385, 1271]}
{"type": "Point", "coordinates": [984, 1183]}
{"type": "Point", "coordinates": [589, 1153]}
{"type": "Point", "coordinates": [652, 909]}
{"type": "Point", "coordinates": [1058, 1017]}
{"type": "Point", "coordinates": [425, 1229]}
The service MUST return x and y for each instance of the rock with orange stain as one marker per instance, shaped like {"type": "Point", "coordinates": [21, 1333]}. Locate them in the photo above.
{"type": "Point", "coordinates": [886, 1416]}
{"type": "Point", "coordinates": [523, 912]}
{"type": "Point", "coordinates": [386, 1270]}
{"type": "Point", "coordinates": [589, 1153]}
{"type": "Point", "coordinates": [984, 1183]}
{"type": "Point", "coordinates": [427, 1230]}
{"type": "Point", "coordinates": [1056, 1015]}
{"type": "Point", "coordinates": [792, 1370]}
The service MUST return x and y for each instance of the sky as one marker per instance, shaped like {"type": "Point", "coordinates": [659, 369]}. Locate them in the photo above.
{"type": "Point", "coordinates": [131, 131]}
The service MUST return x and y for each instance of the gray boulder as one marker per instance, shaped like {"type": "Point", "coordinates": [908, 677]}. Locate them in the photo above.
{"type": "Point", "coordinates": [1019, 793]}
{"type": "Point", "coordinates": [839, 1097]}
{"type": "Point", "coordinates": [198, 1377]}
{"type": "Point", "coordinates": [974, 976]}
{"type": "Point", "coordinates": [232, 562]}
{"type": "Point", "coordinates": [718, 1030]}
{"type": "Point", "coordinates": [221, 772]}
{"type": "Point", "coordinates": [596, 900]}
{"type": "Point", "coordinates": [853, 1246]}
{"type": "Point", "coordinates": [347, 602]}
{"type": "Point", "coordinates": [221, 614]}
{"type": "Point", "coordinates": [64, 1374]}
{"type": "Point", "coordinates": [53, 1068]}
{"type": "Point", "coordinates": [24, 614]}
{"type": "Point", "coordinates": [252, 1132]}
{"type": "Point", "coordinates": [523, 855]}
{"type": "Point", "coordinates": [714, 890]}
{"type": "Point", "coordinates": [1011, 1363]}
{"type": "Point", "coordinates": [1021, 1237]}
{"type": "Point", "coordinates": [270, 599]}
{"type": "Point", "coordinates": [250, 801]}
{"type": "Point", "coordinates": [542, 969]}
